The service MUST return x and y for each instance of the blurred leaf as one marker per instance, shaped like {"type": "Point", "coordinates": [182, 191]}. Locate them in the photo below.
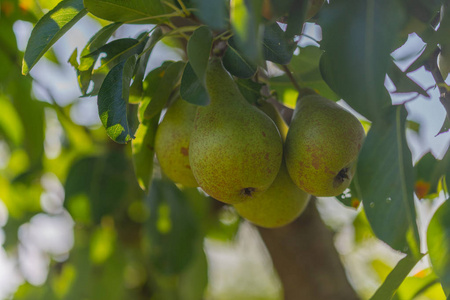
{"type": "Point", "coordinates": [403, 83]}
{"type": "Point", "coordinates": [194, 279]}
{"type": "Point", "coordinates": [50, 28]}
{"type": "Point", "coordinates": [245, 18]}
{"type": "Point", "coordinates": [102, 180]}
{"type": "Point", "coordinates": [413, 125]}
{"type": "Point", "coordinates": [249, 89]}
{"type": "Point", "coordinates": [198, 49]}
{"type": "Point", "coordinates": [127, 11]}
{"type": "Point", "coordinates": [166, 86]}
{"type": "Point", "coordinates": [224, 225]}
{"type": "Point", "coordinates": [276, 47]}
{"type": "Point", "coordinates": [355, 65]}
{"type": "Point", "coordinates": [438, 241]}
{"type": "Point", "coordinates": [31, 114]}
{"type": "Point", "coordinates": [137, 89]}
{"type": "Point", "coordinates": [385, 179]}
{"type": "Point", "coordinates": [428, 171]}
{"type": "Point", "coordinates": [10, 124]}
{"type": "Point", "coordinates": [102, 244]}
{"type": "Point", "coordinates": [212, 12]}
{"type": "Point", "coordinates": [87, 62]}
{"type": "Point", "coordinates": [235, 63]}
{"type": "Point", "coordinates": [171, 228]}
{"type": "Point", "coordinates": [143, 151]}
{"type": "Point", "coordinates": [419, 284]}
{"type": "Point", "coordinates": [113, 101]}
{"type": "Point", "coordinates": [191, 89]}
{"type": "Point", "coordinates": [389, 287]}
{"type": "Point", "coordinates": [295, 19]}
{"type": "Point", "coordinates": [363, 231]}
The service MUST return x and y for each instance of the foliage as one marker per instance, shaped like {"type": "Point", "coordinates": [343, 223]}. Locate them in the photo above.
{"type": "Point", "coordinates": [127, 222]}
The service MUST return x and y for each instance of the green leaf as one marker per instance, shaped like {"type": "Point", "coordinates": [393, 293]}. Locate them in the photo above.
{"type": "Point", "coordinates": [296, 18]}
{"type": "Point", "coordinates": [424, 282]}
{"type": "Point", "coordinates": [113, 101]}
{"type": "Point", "coordinates": [358, 37]}
{"type": "Point", "coordinates": [392, 282]}
{"type": "Point", "coordinates": [151, 83]}
{"type": "Point", "coordinates": [87, 62]}
{"type": "Point", "coordinates": [191, 89]}
{"type": "Point", "coordinates": [385, 179]}
{"type": "Point", "coordinates": [245, 20]}
{"type": "Point", "coordinates": [49, 29]}
{"type": "Point", "coordinates": [429, 171]}
{"type": "Point", "coordinates": [127, 11]}
{"type": "Point", "coordinates": [198, 49]}
{"type": "Point", "coordinates": [171, 228]}
{"type": "Point", "coordinates": [445, 126]}
{"type": "Point", "coordinates": [249, 89]}
{"type": "Point", "coordinates": [438, 241]}
{"type": "Point", "coordinates": [235, 62]}
{"type": "Point", "coordinates": [212, 13]}
{"type": "Point", "coordinates": [117, 51]}
{"type": "Point", "coordinates": [143, 150]}
{"type": "Point", "coordinates": [162, 94]}
{"type": "Point", "coordinates": [10, 124]}
{"type": "Point", "coordinates": [137, 89]}
{"type": "Point", "coordinates": [276, 47]}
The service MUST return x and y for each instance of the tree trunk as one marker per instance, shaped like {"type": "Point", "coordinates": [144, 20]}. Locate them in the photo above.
{"type": "Point", "coordinates": [306, 260]}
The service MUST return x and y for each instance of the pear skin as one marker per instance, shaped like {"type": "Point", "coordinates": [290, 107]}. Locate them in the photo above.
{"type": "Point", "coordinates": [283, 202]}
{"type": "Point", "coordinates": [172, 142]}
{"type": "Point", "coordinates": [322, 146]}
{"type": "Point", "coordinates": [235, 150]}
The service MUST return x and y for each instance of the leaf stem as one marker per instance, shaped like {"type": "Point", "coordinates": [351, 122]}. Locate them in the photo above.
{"type": "Point", "coordinates": [302, 92]}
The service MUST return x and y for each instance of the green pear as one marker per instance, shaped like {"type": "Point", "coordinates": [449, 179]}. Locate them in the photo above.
{"type": "Point", "coordinates": [235, 150]}
{"type": "Point", "coordinates": [322, 146]}
{"type": "Point", "coordinates": [283, 202]}
{"type": "Point", "coordinates": [271, 111]}
{"type": "Point", "coordinates": [172, 142]}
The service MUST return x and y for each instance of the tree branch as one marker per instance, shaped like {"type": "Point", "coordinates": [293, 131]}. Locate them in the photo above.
{"type": "Point", "coordinates": [306, 260]}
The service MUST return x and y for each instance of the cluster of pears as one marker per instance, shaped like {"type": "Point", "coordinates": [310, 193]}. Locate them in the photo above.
{"type": "Point", "coordinates": [248, 157]}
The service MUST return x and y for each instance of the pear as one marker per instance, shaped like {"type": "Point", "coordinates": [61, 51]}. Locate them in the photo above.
{"type": "Point", "coordinates": [235, 150]}
{"type": "Point", "coordinates": [283, 202]}
{"type": "Point", "coordinates": [172, 142]}
{"type": "Point", "coordinates": [322, 146]}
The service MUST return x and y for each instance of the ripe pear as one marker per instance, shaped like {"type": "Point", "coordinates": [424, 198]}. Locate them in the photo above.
{"type": "Point", "coordinates": [172, 142]}
{"type": "Point", "coordinates": [322, 146]}
{"type": "Point", "coordinates": [235, 149]}
{"type": "Point", "coordinates": [283, 202]}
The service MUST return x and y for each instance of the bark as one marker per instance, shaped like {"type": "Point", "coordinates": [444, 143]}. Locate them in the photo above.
{"type": "Point", "coordinates": [306, 260]}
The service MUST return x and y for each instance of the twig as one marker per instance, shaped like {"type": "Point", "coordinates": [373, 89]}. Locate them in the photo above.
{"type": "Point", "coordinates": [444, 90]}
{"type": "Point", "coordinates": [301, 91]}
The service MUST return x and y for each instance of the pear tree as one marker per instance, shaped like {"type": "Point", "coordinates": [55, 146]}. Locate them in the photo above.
{"type": "Point", "coordinates": [275, 115]}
